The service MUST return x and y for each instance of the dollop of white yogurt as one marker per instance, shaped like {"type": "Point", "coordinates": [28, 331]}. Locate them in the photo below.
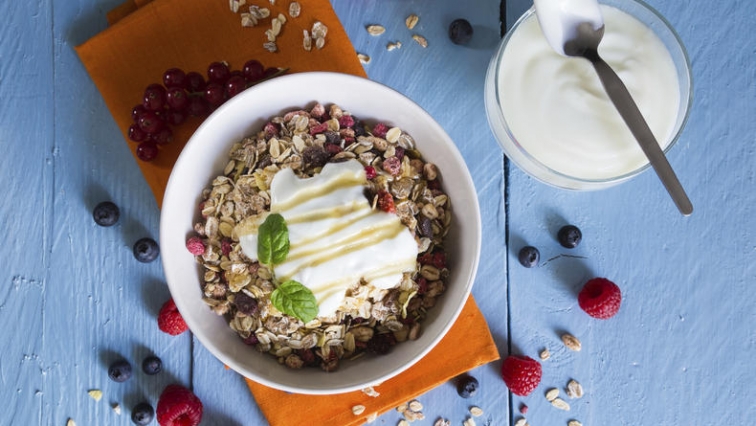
{"type": "Point", "coordinates": [336, 238]}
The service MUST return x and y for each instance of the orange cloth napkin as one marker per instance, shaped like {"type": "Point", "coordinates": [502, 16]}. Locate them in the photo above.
{"type": "Point", "coordinates": [145, 38]}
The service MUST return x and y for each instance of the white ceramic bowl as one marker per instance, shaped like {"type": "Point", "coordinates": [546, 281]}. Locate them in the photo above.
{"type": "Point", "coordinates": [511, 143]}
{"type": "Point", "coordinates": [206, 154]}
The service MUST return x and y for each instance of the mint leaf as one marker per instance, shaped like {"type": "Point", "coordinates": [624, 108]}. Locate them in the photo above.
{"type": "Point", "coordinates": [273, 240]}
{"type": "Point", "coordinates": [293, 298]}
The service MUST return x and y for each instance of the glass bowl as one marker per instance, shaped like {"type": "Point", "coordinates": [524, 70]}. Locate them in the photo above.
{"type": "Point", "coordinates": [563, 162]}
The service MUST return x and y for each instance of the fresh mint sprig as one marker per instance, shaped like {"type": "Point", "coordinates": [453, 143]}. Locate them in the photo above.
{"type": "Point", "coordinates": [291, 297]}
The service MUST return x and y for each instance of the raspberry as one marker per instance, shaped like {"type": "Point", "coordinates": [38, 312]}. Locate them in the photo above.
{"type": "Point", "coordinates": [521, 374]}
{"type": "Point", "coordinates": [195, 246]}
{"type": "Point", "coordinates": [393, 165]}
{"type": "Point", "coordinates": [379, 130]}
{"type": "Point", "coordinates": [178, 406]}
{"type": "Point", "coordinates": [600, 298]}
{"type": "Point", "coordinates": [170, 320]}
{"type": "Point", "coordinates": [386, 202]}
{"type": "Point", "coordinates": [346, 121]}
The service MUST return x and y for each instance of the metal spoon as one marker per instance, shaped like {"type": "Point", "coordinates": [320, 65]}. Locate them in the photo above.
{"type": "Point", "coordinates": [584, 43]}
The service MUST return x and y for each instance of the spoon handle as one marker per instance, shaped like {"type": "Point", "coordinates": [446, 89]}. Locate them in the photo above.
{"type": "Point", "coordinates": [632, 116]}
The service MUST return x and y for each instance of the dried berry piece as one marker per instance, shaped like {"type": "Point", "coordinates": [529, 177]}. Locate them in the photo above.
{"type": "Point", "coordinates": [315, 156]}
{"type": "Point", "coordinates": [246, 304]}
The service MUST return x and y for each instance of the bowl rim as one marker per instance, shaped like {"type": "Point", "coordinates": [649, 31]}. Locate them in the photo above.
{"type": "Point", "coordinates": [535, 168]}
{"type": "Point", "coordinates": [184, 162]}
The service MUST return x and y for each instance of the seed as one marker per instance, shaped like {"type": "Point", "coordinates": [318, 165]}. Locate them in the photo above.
{"type": "Point", "coordinates": [560, 404]}
{"type": "Point", "coordinates": [375, 30]}
{"type": "Point", "coordinates": [420, 40]}
{"type": "Point", "coordinates": [552, 394]}
{"type": "Point", "coordinates": [571, 342]}
{"type": "Point", "coordinates": [545, 354]}
{"type": "Point", "coordinates": [365, 59]}
{"type": "Point", "coordinates": [411, 21]}
{"type": "Point", "coordinates": [476, 411]}
{"type": "Point", "coordinates": [358, 409]}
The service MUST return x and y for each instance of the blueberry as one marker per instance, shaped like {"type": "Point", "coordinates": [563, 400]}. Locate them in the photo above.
{"type": "Point", "coordinates": [120, 371]}
{"type": "Point", "coordinates": [142, 414]}
{"type": "Point", "coordinates": [569, 236]}
{"type": "Point", "coordinates": [146, 250]}
{"type": "Point", "coordinates": [467, 386]}
{"type": "Point", "coordinates": [152, 365]}
{"type": "Point", "coordinates": [460, 31]}
{"type": "Point", "coordinates": [106, 214]}
{"type": "Point", "coordinates": [529, 256]}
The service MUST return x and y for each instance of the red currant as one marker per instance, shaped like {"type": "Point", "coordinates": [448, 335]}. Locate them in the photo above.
{"type": "Point", "coordinates": [136, 134]}
{"type": "Point", "coordinates": [175, 118]}
{"type": "Point", "coordinates": [174, 77]}
{"type": "Point", "coordinates": [195, 82]}
{"type": "Point", "coordinates": [218, 72]}
{"type": "Point", "coordinates": [177, 99]}
{"type": "Point", "coordinates": [147, 151]}
{"type": "Point", "coordinates": [235, 85]}
{"type": "Point", "coordinates": [154, 97]}
{"type": "Point", "coordinates": [149, 122]}
{"type": "Point", "coordinates": [214, 94]}
{"type": "Point", "coordinates": [137, 112]}
{"type": "Point", "coordinates": [162, 137]}
{"type": "Point", "coordinates": [253, 71]}
{"type": "Point", "coordinates": [198, 107]}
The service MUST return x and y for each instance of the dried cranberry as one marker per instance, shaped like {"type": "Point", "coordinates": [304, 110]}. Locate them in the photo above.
{"type": "Point", "coordinates": [393, 166]}
{"type": "Point", "coordinates": [332, 148]}
{"type": "Point", "coordinates": [381, 343]}
{"type": "Point", "coordinates": [439, 260]}
{"type": "Point", "coordinates": [332, 137]}
{"type": "Point", "coordinates": [379, 130]}
{"type": "Point", "coordinates": [346, 121]}
{"type": "Point", "coordinates": [359, 129]}
{"type": "Point", "coordinates": [226, 246]}
{"type": "Point", "coordinates": [386, 202]}
{"type": "Point", "coordinates": [251, 340]}
{"type": "Point", "coordinates": [246, 304]}
{"type": "Point", "coordinates": [370, 172]}
{"type": "Point", "coordinates": [320, 128]}
{"type": "Point", "coordinates": [422, 286]}
{"type": "Point", "coordinates": [271, 129]}
{"type": "Point", "coordinates": [399, 152]}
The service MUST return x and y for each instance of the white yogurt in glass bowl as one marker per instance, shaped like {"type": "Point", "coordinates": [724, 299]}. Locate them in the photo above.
{"type": "Point", "coordinates": [553, 118]}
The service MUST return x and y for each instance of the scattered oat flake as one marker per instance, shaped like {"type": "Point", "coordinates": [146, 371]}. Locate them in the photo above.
{"type": "Point", "coordinates": [402, 408]}
{"type": "Point", "coordinates": [234, 5]}
{"type": "Point", "coordinates": [96, 394]}
{"type": "Point", "coordinates": [442, 422]}
{"type": "Point", "coordinates": [571, 342]}
{"type": "Point", "coordinates": [420, 40]}
{"type": "Point", "coordinates": [469, 422]}
{"type": "Point", "coordinates": [560, 404]}
{"type": "Point", "coordinates": [375, 29]}
{"type": "Point", "coordinates": [411, 21]}
{"type": "Point", "coordinates": [320, 42]}
{"type": "Point", "coordinates": [415, 405]}
{"type": "Point", "coordinates": [393, 45]}
{"type": "Point", "coordinates": [70, 422]}
{"type": "Point", "coordinates": [371, 418]}
{"type": "Point", "coordinates": [319, 30]}
{"type": "Point", "coordinates": [307, 40]}
{"type": "Point", "coordinates": [476, 411]}
{"type": "Point", "coordinates": [574, 423]}
{"type": "Point", "coordinates": [270, 46]}
{"type": "Point", "coordinates": [521, 422]}
{"type": "Point", "coordinates": [402, 422]}
{"type": "Point", "coordinates": [294, 9]}
{"type": "Point", "coordinates": [365, 59]}
{"type": "Point", "coordinates": [370, 391]}
{"type": "Point", "coordinates": [358, 409]}
{"type": "Point", "coordinates": [574, 389]}
{"type": "Point", "coordinates": [552, 394]}
{"type": "Point", "coordinates": [116, 407]}
{"type": "Point", "coordinates": [545, 354]}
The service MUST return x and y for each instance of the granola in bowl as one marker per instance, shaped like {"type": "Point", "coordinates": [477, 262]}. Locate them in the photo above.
{"type": "Point", "coordinates": [395, 179]}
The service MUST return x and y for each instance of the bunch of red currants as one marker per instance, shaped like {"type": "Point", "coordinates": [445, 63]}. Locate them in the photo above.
{"type": "Point", "coordinates": [185, 94]}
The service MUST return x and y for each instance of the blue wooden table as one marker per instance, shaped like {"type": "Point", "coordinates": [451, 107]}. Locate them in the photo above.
{"type": "Point", "coordinates": [680, 352]}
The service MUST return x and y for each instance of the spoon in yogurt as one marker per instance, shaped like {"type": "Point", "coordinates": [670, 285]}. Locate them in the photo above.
{"type": "Point", "coordinates": [575, 28]}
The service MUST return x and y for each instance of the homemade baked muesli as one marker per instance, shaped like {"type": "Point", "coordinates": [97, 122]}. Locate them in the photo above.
{"type": "Point", "coordinates": [397, 180]}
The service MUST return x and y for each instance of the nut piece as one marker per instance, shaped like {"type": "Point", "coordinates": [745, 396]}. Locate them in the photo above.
{"type": "Point", "coordinates": [469, 422]}
{"type": "Point", "coordinates": [442, 422]}
{"type": "Point", "coordinates": [574, 389]}
{"type": "Point", "coordinates": [545, 354]}
{"type": "Point", "coordinates": [476, 411]}
{"type": "Point", "coordinates": [371, 418]}
{"type": "Point", "coordinates": [393, 45]}
{"type": "Point", "coordinates": [375, 30]}
{"type": "Point", "coordinates": [370, 391]}
{"type": "Point", "coordinates": [560, 404]}
{"type": "Point", "coordinates": [420, 40]}
{"type": "Point", "coordinates": [70, 422]}
{"type": "Point", "coordinates": [402, 422]}
{"type": "Point", "coordinates": [96, 394]}
{"type": "Point", "coordinates": [365, 59]}
{"type": "Point", "coordinates": [552, 394]}
{"type": "Point", "coordinates": [571, 342]}
{"type": "Point", "coordinates": [521, 422]}
{"type": "Point", "coordinates": [574, 423]}
{"type": "Point", "coordinates": [358, 409]}
{"type": "Point", "coordinates": [116, 408]}
{"type": "Point", "coordinates": [411, 21]}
